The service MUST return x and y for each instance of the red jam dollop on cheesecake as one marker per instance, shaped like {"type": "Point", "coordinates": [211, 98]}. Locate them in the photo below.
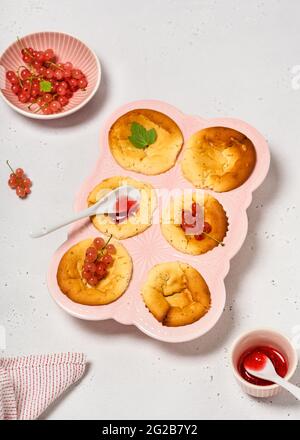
{"type": "Point", "coordinates": [124, 208]}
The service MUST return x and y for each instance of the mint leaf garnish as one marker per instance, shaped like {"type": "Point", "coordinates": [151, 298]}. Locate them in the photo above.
{"type": "Point", "coordinates": [45, 86]}
{"type": "Point", "coordinates": [140, 137]}
{"type": "Point", "coordinates": [151, 136]}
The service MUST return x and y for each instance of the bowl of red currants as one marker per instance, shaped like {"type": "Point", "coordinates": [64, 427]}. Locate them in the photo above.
{"type": "Point", "coordinates": [48, 75]}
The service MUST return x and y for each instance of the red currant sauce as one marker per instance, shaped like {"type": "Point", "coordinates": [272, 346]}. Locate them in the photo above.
{"type": "Point", "coordinates": [255, 357]}
{"type": "Point", "coordinates": [124, 204]}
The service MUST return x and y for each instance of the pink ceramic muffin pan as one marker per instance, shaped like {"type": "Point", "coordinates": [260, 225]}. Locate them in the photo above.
{"type": "Point", "coordinates": [150, 247]}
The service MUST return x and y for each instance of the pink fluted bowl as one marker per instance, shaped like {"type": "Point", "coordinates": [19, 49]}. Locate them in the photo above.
{"type": "Point", "coordinates": [67, 48]}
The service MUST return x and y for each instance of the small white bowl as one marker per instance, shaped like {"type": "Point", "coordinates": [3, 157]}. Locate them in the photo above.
{"type": "Point", "coordinates": [258, 337]}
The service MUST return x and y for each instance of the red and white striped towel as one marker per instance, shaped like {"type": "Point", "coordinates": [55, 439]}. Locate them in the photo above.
{"type": "Point", "coordinates": [29, 384]}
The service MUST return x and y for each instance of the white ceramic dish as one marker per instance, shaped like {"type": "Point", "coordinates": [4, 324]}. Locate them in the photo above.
{"type": "Point", "coordinates": [266, 337]}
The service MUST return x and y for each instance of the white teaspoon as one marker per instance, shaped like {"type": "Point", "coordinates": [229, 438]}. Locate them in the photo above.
{"type": "Point", "coordinates": [107, 205]}
{"type": "Point", "coordinates": [267, 371]}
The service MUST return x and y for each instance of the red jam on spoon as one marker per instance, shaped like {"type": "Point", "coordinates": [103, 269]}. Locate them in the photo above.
{"type": "Point", "coordinates": [256, 358]}
{"type": "Point", "coordinates": [124, 205]}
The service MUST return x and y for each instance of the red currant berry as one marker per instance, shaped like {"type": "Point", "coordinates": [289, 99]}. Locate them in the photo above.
{"type": "Point", "coordinates": [64, 84]}
{"type": "Point", "coordinates": [25, 73]}
{"type": "Point", "coordinates": [58, 74]}
{"type": "Point", "coordinates": [101, 269]}
{"type": "Point", "coordinates": [40, 101]}
{"type": "Point", "coordinates": [195, 208]}
{"type": "Point", "coordinates": [48, 54]}
{"type": "Point", "coordinates": [67, 74]}
{"type": "Point", "coordinates": [207, 228]}
{"type": "Point", "coordinates": [63, 101]}
{"type": "Point", "coordinates": [93, 281]}
{"type": "Point", "coordinates": [187, 220]}
{"type": "Point", "coordinates": [98, 243]}
{"type": "Point", "coordinates": [42, 70]}
{"type": "Point", "coordinates": [61, 91]}
{"type": "Point", "coordinates": [92, 250]}
{"type": "Point", "coordinates": [55, 84]}
{"type": "Point", "coordinates": [19, 172]}
{"type": "Point", "coordinates": [46, 110]}
{"type": "Point", "coordinates": [77, 74]}
{"type": "Point", "coordinates": [27, 58]}
{"type": "Point", "coordinates": [34, 93]}
{"type": "Point", "coordinates": [12, 183]}
{"type": "Point", "coordinates": [86, 274]}
{"type": "Point", "coordinates": [49, 73]}
{"type": "Point", "coordinates": [27, 182]}
{"type": "Point", "coordinates": [73, 82]}
{"type": "Point", "coordinates": [90, 257]}
{"type": "Point", "coordinates": [20, 192]}
{"type": "Point", "coordinates": [40, 56]}
{"type": "Point", "coordinates": [90, 267]}
{"type": "Point", "coordinates": [15, 88]}
{"type": "Point", "coordinates": [26, 90]}
{"type": "Point", "coordinates": [111, 249]}
{"type": "Point", "coordinates": [68, 66]}
{"type": "Point", "coordinates": [55, 106]}
{"type": "Point", "coordinates": [11, 76]}
{"type": "Point", "coordinates": [107, 259]}
{"type": "Point", "coordinates": [82, 83]}
{"type": "Point", "coordinates": [23, 97]}
{"type": "Point", "coordinates": [47, 97]}
{"type": "Point", "coordinates": [69, 94]}
{"type": "Point", "coordinates": [27, 83]}
{"type": "Point", "coordinates": [37, 65]}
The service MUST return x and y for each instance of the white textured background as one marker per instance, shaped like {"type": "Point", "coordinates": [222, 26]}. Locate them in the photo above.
{"type": "Point", "coordinates": [210, 58]}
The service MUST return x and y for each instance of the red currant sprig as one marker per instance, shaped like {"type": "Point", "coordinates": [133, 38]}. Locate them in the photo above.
{"type": "Point", "coordinates": [206, 230]}
{"type": "Point", "coordinates": [189, 221]}
{"type": "Point", "coordinates": [98, 258]}
{"type": "Point", "coordinates": [19, 182]}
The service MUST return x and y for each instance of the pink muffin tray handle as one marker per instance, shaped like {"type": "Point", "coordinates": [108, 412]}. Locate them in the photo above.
{"type": "Point", "coordinates": [150, 247]}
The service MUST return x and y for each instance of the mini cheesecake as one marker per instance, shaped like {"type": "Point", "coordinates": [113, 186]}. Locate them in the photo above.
{"type": "Point", "coordinates": [139, 218]}
{"type": "Point", "coordinates": [179, 224]}
{"type": "Point", "coordinates": [176, 294]}
{"type": "Point", "coordinates": [154, 159]}
{"type": "Point", "coordinates": [218, 158]}
{"type": "Point", "coordinates": [72, 282]}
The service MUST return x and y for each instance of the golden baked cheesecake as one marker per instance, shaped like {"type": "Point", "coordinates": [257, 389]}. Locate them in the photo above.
{"type": "Point", "coordinates": [176, 294]}
{"type": "Point", "coordinates": [145, 141]}
{"type": "Point", "coordinates": [94, 272]}
{"type": "Point", "coordinates": [195, 226]}
{"type": "Point", "coordinates": [139, 215]}
{"type": "Point", "coordinates": [218, 158]}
